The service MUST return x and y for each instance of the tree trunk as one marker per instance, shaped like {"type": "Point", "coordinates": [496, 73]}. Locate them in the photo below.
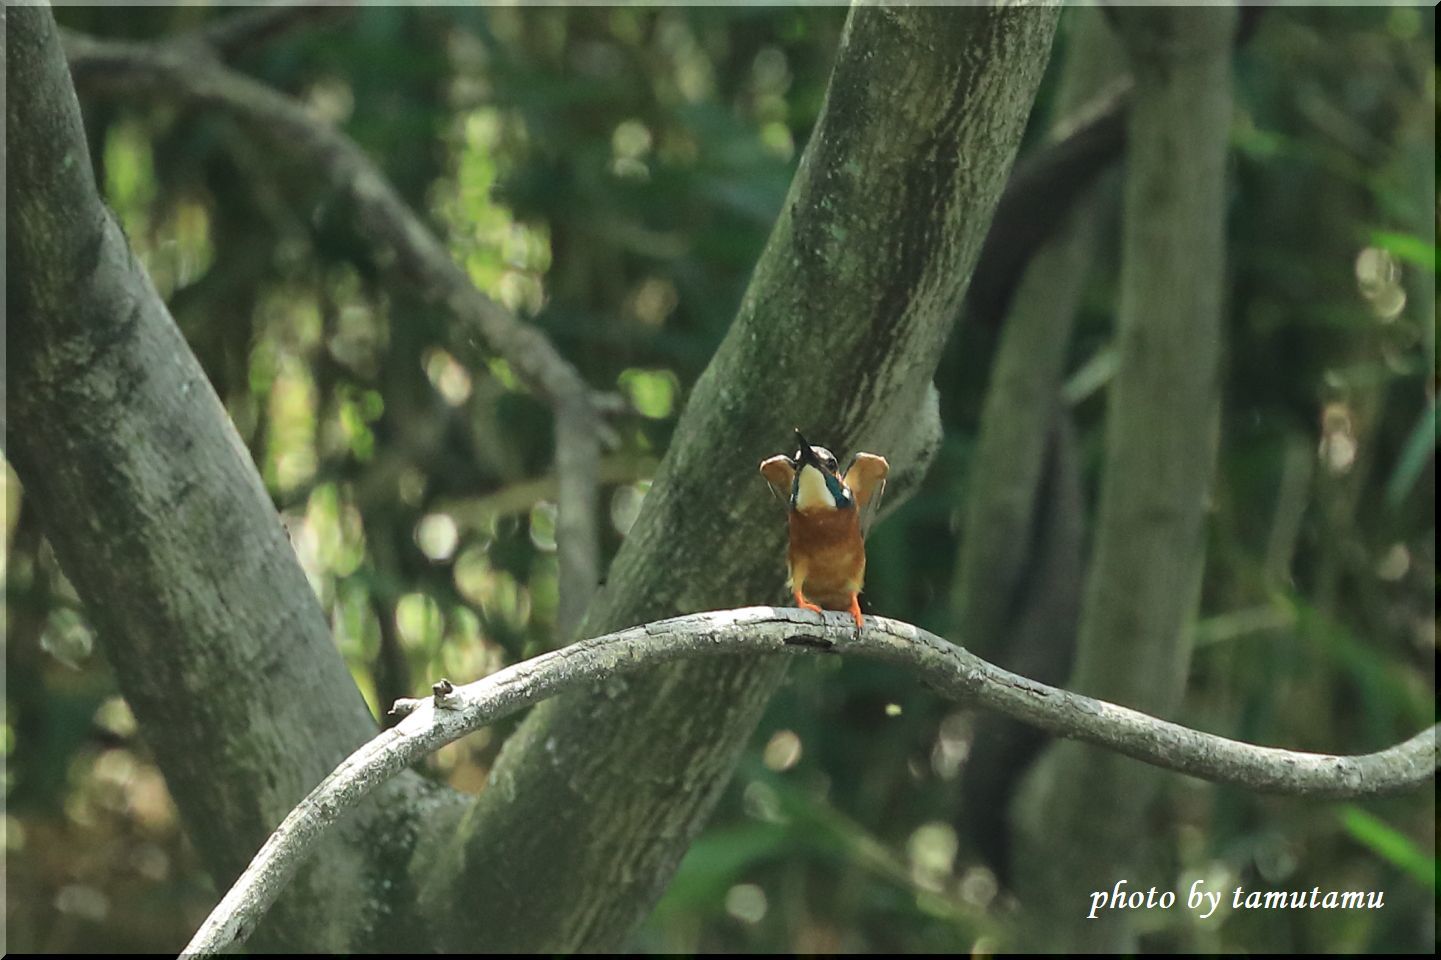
{"type": "Point", "coordinates": [596, 797]}
{"type": "Point", "coordinates": [161, 522]}
{"type": "Point", "coordinates": [1019, 576]}
{"type": "Point", "coordinates": [1003, 495]}
{"type": "Point", "coordinates": [1082, 824]}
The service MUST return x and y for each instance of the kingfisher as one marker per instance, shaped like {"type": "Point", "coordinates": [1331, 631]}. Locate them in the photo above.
{"type": "Point", "coordinates": [829, 514]}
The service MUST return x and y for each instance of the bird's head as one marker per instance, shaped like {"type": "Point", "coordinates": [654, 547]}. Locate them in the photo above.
{"type": "Point", "coordinates": [817, 485]}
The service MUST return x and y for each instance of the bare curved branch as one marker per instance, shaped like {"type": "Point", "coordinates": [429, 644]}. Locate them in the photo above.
{"type": "Point", "coordinates": [950, 670]}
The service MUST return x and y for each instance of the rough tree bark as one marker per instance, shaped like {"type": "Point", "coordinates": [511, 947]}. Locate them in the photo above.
{"type": "Point", "coordinates": [595, 798]}
{"type": "Point", "coordinates": [161, 522]}
{"type": "Point", "coordinates": [1079, 830]}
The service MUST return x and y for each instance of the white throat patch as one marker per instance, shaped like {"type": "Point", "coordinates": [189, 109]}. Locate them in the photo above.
{"type": "Point", "coordinates": [811, 490]}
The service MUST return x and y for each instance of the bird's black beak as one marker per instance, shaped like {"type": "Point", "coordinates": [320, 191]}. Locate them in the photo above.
{"type": "Point", "coordinates": [804, 453]}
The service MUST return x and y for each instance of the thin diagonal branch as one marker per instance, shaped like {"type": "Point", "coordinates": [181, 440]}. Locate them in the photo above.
{"type": "Point", "coordinates": [950, 670]}
{"type": "Point", "coordinates": [401, 241]}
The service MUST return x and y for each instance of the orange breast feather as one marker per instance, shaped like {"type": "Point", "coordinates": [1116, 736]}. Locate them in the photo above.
{"type": "Point", "coordinates": [827, 557]}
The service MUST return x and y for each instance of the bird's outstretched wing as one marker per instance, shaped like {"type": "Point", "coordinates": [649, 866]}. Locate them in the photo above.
{"type": "Point", "coordinates": [780, 473]}
{"type": "Point", "coordinates": [866, 477]}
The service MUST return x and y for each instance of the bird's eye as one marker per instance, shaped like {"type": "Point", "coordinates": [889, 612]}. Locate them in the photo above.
{"type": "Point", "coordinates": [830, 463]}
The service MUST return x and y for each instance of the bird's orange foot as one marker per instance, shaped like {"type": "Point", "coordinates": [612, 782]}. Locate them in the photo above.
{"type": "Point", "coordinates": [856, 612]}
{"type": "Point", "coordinates": [805, 604]}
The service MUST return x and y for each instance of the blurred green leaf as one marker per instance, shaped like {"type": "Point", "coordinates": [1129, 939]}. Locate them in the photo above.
{"type": "Point", "coordinates": [1406, 247]}
{"type": "Point", "coordinates": [651, 392]}
{"type": "Point", "coordinates": [1390, 845]}
{"type": "Point", "coordinates": [1420, 448]}
{"type": "Point", "coordinates": [718, 860]}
